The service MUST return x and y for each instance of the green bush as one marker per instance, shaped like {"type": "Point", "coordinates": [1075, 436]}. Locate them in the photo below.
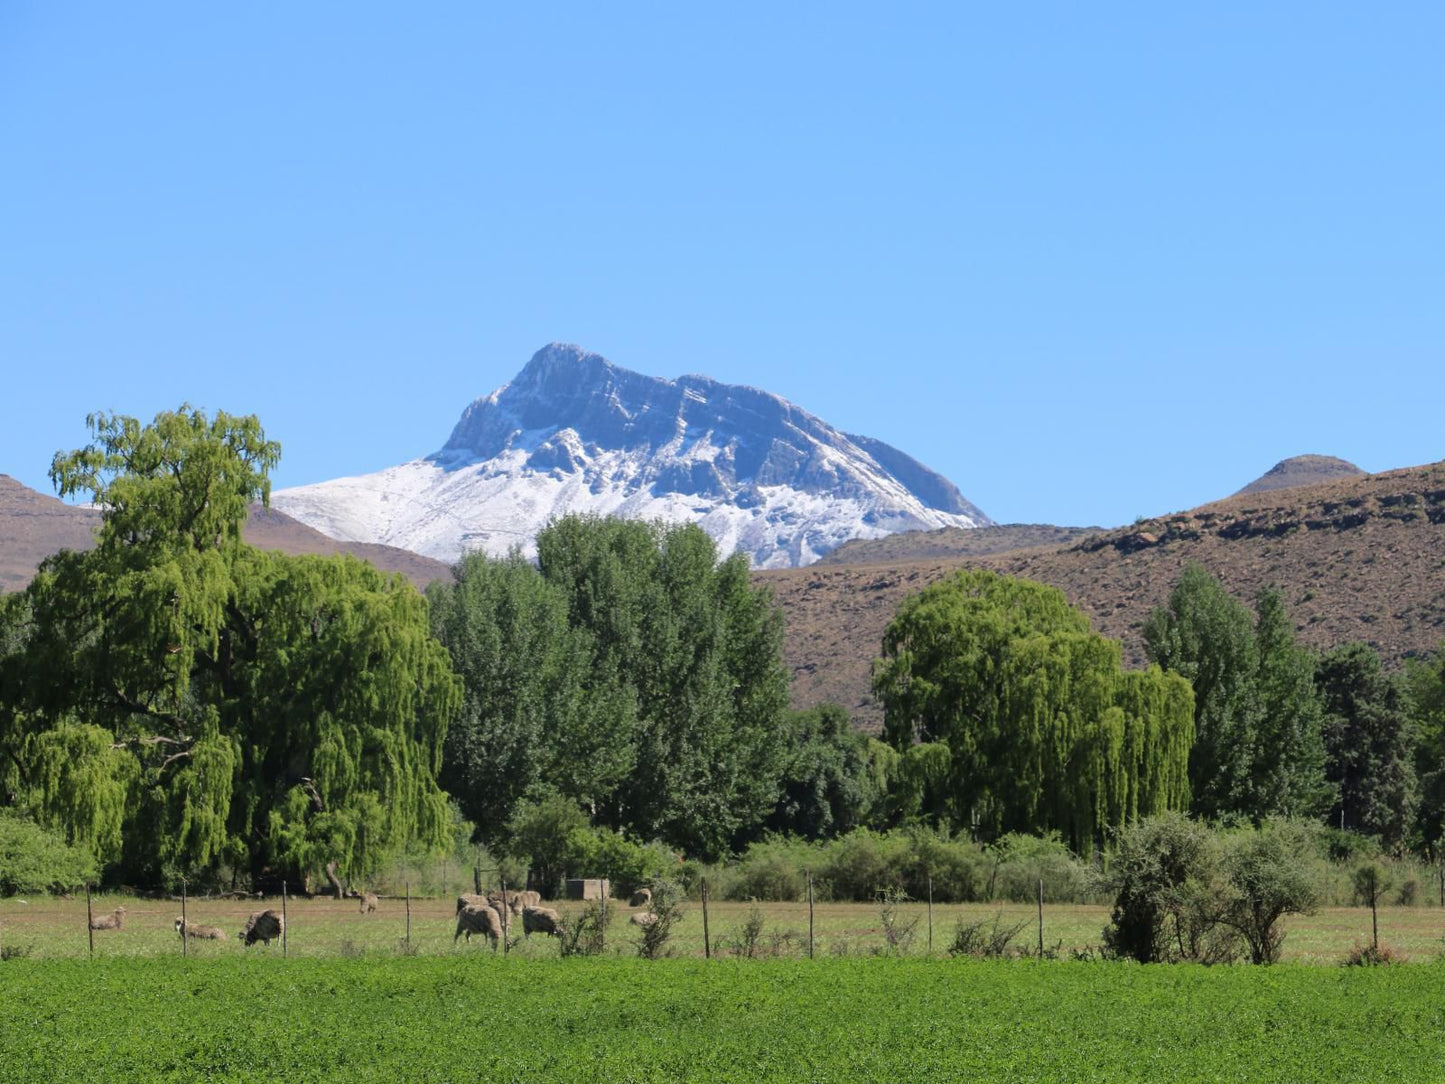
{"type": "Point", "coordinates": [1023, 861]}
{"type": "Point", "coordinates": [34, 859]}
{"type": "Point", "coordinates": [627, 864]}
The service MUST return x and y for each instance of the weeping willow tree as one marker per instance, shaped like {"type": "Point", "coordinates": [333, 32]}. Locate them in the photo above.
{"type": "Point", "coordinates": [1043, 728]}
{"type": "Point", "coordinates": [181, 702]}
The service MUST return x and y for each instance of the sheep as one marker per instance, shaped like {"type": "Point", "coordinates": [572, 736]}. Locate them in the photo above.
{"type": "Point", "coordinates": [641, 898]}
{"type": "Point", "coordinates": [541, 920]}
{"type": "Point", "coordinates": [470, 899]}
{"type": "Point", "coordinates": [643, 918]}
{"type": "Point", "coordinates": [196, 930]}
{"type": "Point", "coordinates": [264, 926]}
{"type": "Point", "coordinates": [481, 920]}
{"type": "Point", "coordinates": [111, 921]}
{"type": "Point", "coordinates": [520, 901]}
{"type": "Point", "coordinates": [368, 902]}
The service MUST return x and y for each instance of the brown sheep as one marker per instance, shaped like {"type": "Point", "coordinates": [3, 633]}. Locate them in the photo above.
{"type": "Point", "coordinates": [470, 899]}
{"type": "Point", "coordinates": [195, 930]}
{"type": "Point", "coordinates": [111, 921]}
{"type": "Point", "coordinates": [541, 920]}
{"type": "Point", "coordinates": [520, 901]}
{"type": "Point", "coordinates": [368, 902]}
{"type": "Point", "coordinates": [480, 920]}
{"type": "Point", "coordinates": [641, 898]}
{"type": "Point", "coordinates": [264, 926]}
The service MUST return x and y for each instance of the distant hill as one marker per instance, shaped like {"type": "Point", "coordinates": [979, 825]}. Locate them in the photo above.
{"type": "Point", "coordinates": [1358, 558]}
{"type": "Point", "coordinates": [1302, 470]}
{"type": "Point", "coordinates": [34, 525]}
{"type": "Point", "coordinates": [953, 542]}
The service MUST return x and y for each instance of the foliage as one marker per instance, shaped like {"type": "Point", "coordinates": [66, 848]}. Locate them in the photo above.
{"type": "Point", "coordinates": [541, 831]}
{"type": "Point", "coordinates": [1425, 686]}
{"type": "Point", "coordinates": [227, 708]}
{"type": "Point", "coordinates": [665, 912]}
{"type": "Point", "coordinates": [899, 930]}
{"type": "Point", "coordinates": [982, 938]}
{"type": "Point", "coordinates": [584, 932]}
{"type": "Point", "coordinates": [1167, 880]}
{"type": "Point", "coordinates": [1271, 873]}
{"type": "Point", "coordinates": [33, 859]}
{"type": "Point", "coordinates": [826, 785]}
{"type": "Point", "coordinates": [1258, 749]}
{"type": "Point", "coordinates": [627, 864]}
{"type": "Point", "coordinates": [1370, 744]}
{"type": "Point", "coordinates": [1042, 727]}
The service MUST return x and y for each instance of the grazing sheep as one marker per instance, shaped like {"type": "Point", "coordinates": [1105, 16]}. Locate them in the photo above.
{"type": "Point", "coordinates": [643, 918]}
{"type": "Point", "coordinates": [111, 921]}
{"type": "Point", "coordinates": [520, 901]}
{"type": "Point", "coordinates": [195, 930]}
{"type": "Point", "coordinates": [641, 898]}
{"type": "Point", "coordinates": [368, 902]}
{"type": "Point", "coordinates": [470, 899]}
{"type": "Point", "coordinates": [481, 920]}
{"type": "Point", "coordinates": [264, 926]}
{"type": "Point", "coordinates": [541, 920]}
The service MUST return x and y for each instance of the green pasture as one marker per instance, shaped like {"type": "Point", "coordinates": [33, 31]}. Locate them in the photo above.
{"type": "Point", "coordinates": [478, 1016]}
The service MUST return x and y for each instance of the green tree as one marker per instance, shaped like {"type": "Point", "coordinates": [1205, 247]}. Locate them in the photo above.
{"type": "Point", "coordinates": [534, 718]}
{"type": "Point", "coordinates": [688, 646]}
{"type": "Point", "coordinates": [1370, 744]}
{"type": "Point", "coordinates": [1042, 727]}
{"type": "Point", "coordinates": [1272, 873]}
{"type": "Point", "coordinates": [224, 707]}
{"type": "Point", "coordinates": [1425, 686]}
{"type": "Point", "coordinates": [1258, 749]}
{"type": "Point", "coordinates": [826, 786]}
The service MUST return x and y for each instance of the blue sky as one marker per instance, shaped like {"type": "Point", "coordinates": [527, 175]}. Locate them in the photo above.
{"type": "Point", "coordinates": [1089, 261]}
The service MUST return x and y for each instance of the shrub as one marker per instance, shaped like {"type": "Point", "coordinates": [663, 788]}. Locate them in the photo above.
{"type": "Point", "coordinates": [751, 933]}
{"type": "Point", "coordinates": [974, 939]}
{"type": "Point", "coordinates": [627, 864]}
{"type": "Point", "coordinates": [1271, 874]}
{"type": "Point", "coordinates": [898, 931]}
{"type": "Point", "coordinates": [666, 912]}
{"type": "Point", "coordinates": [585, 932]}
{"type": "Point", "coordinates": [35, 859]}
{"type": "Point", "coordinates": [771, 870]}
{"type": "Point", "coordinates": [1022, 861]}
{"type": "Point", "coordinates": [1373, 956]}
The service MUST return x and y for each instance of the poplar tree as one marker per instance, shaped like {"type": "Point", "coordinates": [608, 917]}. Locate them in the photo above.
{"type": "Point", "coordinates": [182, 702]}
{"type": "Point", "coordinates": [1044, 729]}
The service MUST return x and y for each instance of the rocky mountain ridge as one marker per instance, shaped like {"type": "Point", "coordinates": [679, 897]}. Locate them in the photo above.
{"type": "Point", "coordinates": [575, 433]}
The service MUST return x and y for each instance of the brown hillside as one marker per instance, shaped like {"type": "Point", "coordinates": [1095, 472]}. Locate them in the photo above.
{"type": "Point", "coordinates": [952, 542]}
{"type": "Point", "coordinates": [1302, 470]}
{"type": "Point", "coordinates": [1358, 559]}
{"type": "Point", "coordinates": [34, 525]}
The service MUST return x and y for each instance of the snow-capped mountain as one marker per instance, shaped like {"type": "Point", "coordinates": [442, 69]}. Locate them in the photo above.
{"type": "Point", "coordinates": [575, 433]}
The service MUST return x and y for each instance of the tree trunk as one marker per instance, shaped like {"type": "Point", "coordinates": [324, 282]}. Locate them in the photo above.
{"type": "Point", "coordinates": [337, 890]}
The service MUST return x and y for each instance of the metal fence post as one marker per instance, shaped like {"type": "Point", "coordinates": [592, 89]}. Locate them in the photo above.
{"type": "Point", "coordinates": [89, 920]}
{"type": "Point", "coordinates": [184, 936]}
{"type": "Point", "coordinates": [706, 940]}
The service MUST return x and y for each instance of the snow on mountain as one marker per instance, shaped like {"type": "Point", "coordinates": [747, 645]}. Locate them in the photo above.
{"type": "Point", "coordinates": [575, 433]}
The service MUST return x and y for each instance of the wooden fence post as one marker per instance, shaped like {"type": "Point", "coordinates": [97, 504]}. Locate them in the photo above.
{"type": "Point", "coordinates": [506, 947]}
{"type": "Point", "coordinates": [408, 914]}
{"type": "Point", "coordinates": [1041, 918]}
{"type": "Point", "coordinates": [602, 932]}
{"type": "Point", "coordinates": [89, 920]}
{"type": "Point", "coordinates": [810, 915]}
{"type": "Point", "coordinates": [285, 926]}
{"type": "Point", "coordinates": [184, 937]}
{"type": "Point", "coordinates": [930, 914]}
{"type": "Point", "coordinates": [706, 940]}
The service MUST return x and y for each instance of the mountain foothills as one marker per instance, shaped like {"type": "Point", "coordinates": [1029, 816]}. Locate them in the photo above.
{"type": "Point", "coordinates": [573, 433]}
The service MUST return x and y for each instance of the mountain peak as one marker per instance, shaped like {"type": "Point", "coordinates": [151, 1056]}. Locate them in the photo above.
{"type": "Point", "coordinates": [572, 432]}
{"type": "Point", "coordinates": [1302, 470]}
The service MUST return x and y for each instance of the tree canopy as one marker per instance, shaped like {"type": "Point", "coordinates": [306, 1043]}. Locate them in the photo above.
{"type": "Point", "coordinates": [1042, 728]}
{"type": "Point", "coordinates": [182, 702]}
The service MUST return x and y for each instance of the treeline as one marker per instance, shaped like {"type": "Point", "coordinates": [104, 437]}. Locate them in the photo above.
{"type": "Point", "coordinates": [177, 703]}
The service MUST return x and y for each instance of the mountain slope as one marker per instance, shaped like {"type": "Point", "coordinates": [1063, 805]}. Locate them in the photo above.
{"type": "Point", "coordinates": [1357, 559]}
{"type": "Point", "coordinates": [34, 525]}
{"type": "Point", "coordinates": [1302, 470]}
{"type": "Point", "coordinates": [575, 433]}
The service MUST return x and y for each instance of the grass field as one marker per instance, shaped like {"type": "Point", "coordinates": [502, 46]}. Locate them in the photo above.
{"type": "Point", "coordinates": [479, 1016]}
{"type": "Point", "coordinates": [48, 928]}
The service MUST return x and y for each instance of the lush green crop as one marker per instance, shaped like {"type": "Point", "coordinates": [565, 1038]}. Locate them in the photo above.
{"type": "Point", "coordinates": [481, 1016]}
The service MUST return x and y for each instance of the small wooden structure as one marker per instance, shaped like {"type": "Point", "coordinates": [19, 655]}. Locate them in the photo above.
{"type": "Point", "coordinates": [588, 888]}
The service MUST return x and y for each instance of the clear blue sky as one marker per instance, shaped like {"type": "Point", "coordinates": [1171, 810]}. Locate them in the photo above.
{"type": "Point", "coordinates": [1090, 261]}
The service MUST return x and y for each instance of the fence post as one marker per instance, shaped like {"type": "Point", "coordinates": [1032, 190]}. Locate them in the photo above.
{"type": "Point", "coordinates": [810, 915]}
{"type": "Point", "coordinates": [408, 914]}
{"type": "Point", "coordinates": [706, 940]}
{"type": "Point", "coordinates": [477, 872]}
{"type": "Point", "coordinates": [930, 914]}
{"type": "Point", "coordinates": [285, 926]}
{"type": "Point", "coordinates": [601, 933]}
{"type": "Point", "coordinates": [1041, 918]}
{"type": "Point", "coordinates": [505, 935]}
{"type": "Point", "coordinates": [89, 920]}
{"type": "Point", "coordinates": [184, 937]}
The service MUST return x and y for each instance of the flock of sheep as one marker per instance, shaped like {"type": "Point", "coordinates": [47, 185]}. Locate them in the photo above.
{"type": "Point", "coordinates": [475, 914]}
